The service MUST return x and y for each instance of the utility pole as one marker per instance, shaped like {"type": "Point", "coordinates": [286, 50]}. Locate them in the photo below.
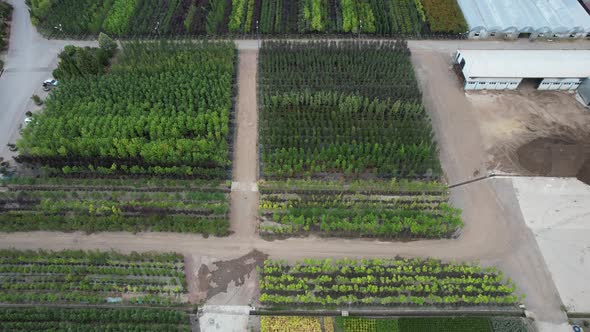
{"type": "Point", "coordinates": [258, 34]}
{"type": "Point", "coordinates": [360, 27]}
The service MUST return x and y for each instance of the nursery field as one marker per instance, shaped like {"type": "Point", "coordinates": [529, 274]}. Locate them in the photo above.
{"type": "Point", "coordinates": [78, 277]}
{"type": "Point", "coordinates": [247, 17]}
{"type": "Point", "coordinates": [382, 282]}
{"type": "Point", "coordinates": [357, 324]}
{"type": "Point", "coordinates": [56, 204]}
{"type": "Point", "coordinates": [163, 108]}
{"type": "Point", "coordinates": [93, 320]}
{"type": "Point", "coordinates": [377, 209]}
{"type": "Point", "coordinates": [351, 108]}
{"type": "Point", "coordinates": [346, 147]}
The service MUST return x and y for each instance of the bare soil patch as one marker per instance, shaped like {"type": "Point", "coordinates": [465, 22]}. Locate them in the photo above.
{"type": "Point", "coordinates": [534, 133]}
{"type": "Point", "coordinates": [557, 157]}
{"type": "Point", "coordinates": [216, 279]}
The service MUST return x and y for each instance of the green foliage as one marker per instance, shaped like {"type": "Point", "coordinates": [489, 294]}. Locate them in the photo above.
{"type": "Point", "coordinates": [190, 16]}
{"type": "Point", "coordinates": [357, 212]}
{"type": "Point", "coordinates": [326, 112]}
{"type": "Point", "coordinates": [117, 21]}
{"type": "Point", "coordinates": [90, 277]}
{"type": "Point", "coordinates": [79, 206]}
{"type": "Point", "coordinates": [176, 17]}
{"type": "Point", "coordinates": [162, 109]}
{"type": "Point", "coordinates": [75, 62]}
{"type": "Point", "coordinates": [37, 100]}
{"type": "Point", "coordinates": [106, 43]}
{"type": "Point", "coordinates": [385, 282]}
{"type": "Point", "coordinates": [215, 16]}
{"type": "Point", "coordinates": [5, 16]}
{"type": "Point", "coordinates": [306, 134]}
{"type": "Point", "coordinates": [445, 324]}
{"type": "Point", "coordinates": [444, 16]}
{"type": "Point", "coordinates": [370, 69]}
{"type": "Point", "coordinates": [90, 320]}
{"type": "Point", "coordinates": [237, 18]}
{"type": "Point", "coordinates": [508, 325]}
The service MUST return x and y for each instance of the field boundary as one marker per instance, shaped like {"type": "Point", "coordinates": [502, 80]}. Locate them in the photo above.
{"type": "Point", "coordinates": [390, 313]}
{"type": "Point", "coordinates": [189, 309]}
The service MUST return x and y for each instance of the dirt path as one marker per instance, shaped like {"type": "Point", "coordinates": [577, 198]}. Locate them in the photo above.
{"type": "Point", "coordinates": [456, 129]}
{"type": "Point", "coordinates": [244, 197]}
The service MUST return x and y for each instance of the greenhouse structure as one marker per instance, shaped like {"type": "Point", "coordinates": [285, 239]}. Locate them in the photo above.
{"type": "Point", "coordinates": [509, 69]}
{"type": "Point", "coordinates": [530, 19]}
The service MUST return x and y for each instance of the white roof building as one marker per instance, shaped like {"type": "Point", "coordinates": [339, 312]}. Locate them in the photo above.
{"type": "Point", "coordinates": [526, 18]}
{"type": "Point", "coordinates": [505, 69]}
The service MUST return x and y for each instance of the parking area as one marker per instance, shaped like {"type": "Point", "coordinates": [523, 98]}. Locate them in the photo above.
{"type": "Point", "coordinates": [557, 210]}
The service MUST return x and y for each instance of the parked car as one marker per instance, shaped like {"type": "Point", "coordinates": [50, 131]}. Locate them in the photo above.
{"type": "Point", "coordinates": [28, 120]}
{"type": "Point", "coordinates": [48, 84]}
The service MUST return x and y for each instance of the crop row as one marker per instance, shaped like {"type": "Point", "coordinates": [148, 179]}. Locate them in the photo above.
{"type": "Point", "coordinates": [370, 69]}
{"type": "Point", "coordinates": [405, 324]}
{"type": "Point", "coordinates": [306, 134]}
{"type": "Point", "coordinates": [153, 184]}
{"type": "Point", "coordinates": [357, 210]}
{"type": "Point", "coordinates": [382, 282]}
{"type": "Point", "coordinates": [80, 277]}
{"type": "Point", "coordinates": [113, 208]}
{"type": "Point", "coordinates": [99, 320]}
{"type": "Point", "coordinates": [163, 108]}
{"type": "Point", "coordinates": [189, 17]}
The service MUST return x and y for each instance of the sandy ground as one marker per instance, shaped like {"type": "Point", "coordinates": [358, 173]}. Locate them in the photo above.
{"type": "Point", "coordinates": [511, 119]}
{"type": "Point", "coordinates": [558, 212]}
{"type": "Point", "coordinates": [244, 197]}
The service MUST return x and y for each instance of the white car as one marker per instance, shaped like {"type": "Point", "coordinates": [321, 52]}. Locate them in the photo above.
{"type": "Point", "coordinates": [28, 120]}
{"type": "Point", "coordinates": [50, 82]}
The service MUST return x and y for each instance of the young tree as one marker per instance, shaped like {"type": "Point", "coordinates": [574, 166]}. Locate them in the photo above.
{"type": "Point", "coordinates": [106, 43]}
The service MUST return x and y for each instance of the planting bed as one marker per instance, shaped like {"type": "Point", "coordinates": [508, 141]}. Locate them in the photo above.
{"type": "Point", "coordinates": [348, 118]}
{"type": "Point", "coordinates": [78, 277]}
{"type": "Point", "coordinates": [94, 205]}
{"type": "Point", "coordinates": [93, 320]}
{"type": "Point", "coordinates": [380, 282]}
{"type": "Point", "coordinates": [347, 108]}
{"type": "Point", "coordinates": [358, 324]}
{"type": "Point", "coordinates": [238, 17]}
{"type": "Point", "coordinates": [360, 209]}
{"type": "Point", "coordinates": [163, 109]}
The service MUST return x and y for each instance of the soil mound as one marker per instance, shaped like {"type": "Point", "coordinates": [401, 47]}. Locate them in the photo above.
{"type": "Point", "coordinates": [556, 157]}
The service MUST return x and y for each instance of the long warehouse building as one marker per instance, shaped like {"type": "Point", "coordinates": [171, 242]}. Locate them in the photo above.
{"type": "Point", "coordinates": [511, 19]}
{"type": "Point", "coordinates": [507, 69]}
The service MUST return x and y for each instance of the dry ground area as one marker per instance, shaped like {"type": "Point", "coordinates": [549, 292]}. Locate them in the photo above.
{"type": "Point", "coordinates": [244, 197]}
{"type": "Point", "coordinates": [530, 132]}
{"type": "Point", "coordinates": [558, 212]}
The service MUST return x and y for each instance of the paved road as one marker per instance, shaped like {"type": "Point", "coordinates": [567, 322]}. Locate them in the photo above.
{"type": "Point", "coordinates": [495, 233]}
{"type": "Point", "coordinates": [29, 61]}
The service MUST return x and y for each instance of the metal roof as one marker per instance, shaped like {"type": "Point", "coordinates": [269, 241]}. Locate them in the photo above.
{"type": "Point", "coordinates": [536, 15]}
{"type": "Point", "coordinates": [526, 63]}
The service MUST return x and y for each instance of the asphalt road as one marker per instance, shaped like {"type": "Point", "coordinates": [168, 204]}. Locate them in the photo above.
{"type": "Point", "coordinates": [29, 61]}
